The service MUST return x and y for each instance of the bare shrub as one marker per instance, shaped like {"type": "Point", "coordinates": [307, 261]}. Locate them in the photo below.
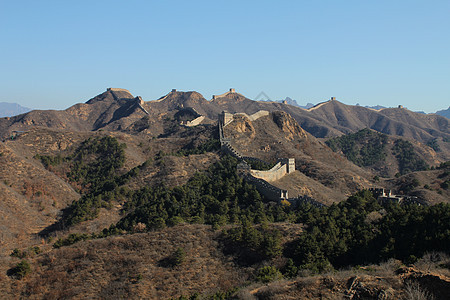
{"type": "Point", "coordinates": [432, 260]}
{"type": "Point", "coordinates": [139, 227]}
{"type": "Point", "coordinates": [272, 290]}
{"type": "Point", "coordinates": [389, 266]}
{"type": "Point", "coordinates": [415, 292]}
{"type": "Point", "coordinates": [245, 294]}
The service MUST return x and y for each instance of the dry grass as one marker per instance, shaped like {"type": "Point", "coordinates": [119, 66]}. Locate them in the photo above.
{"type": "Point", "coordinates": [130, 267]}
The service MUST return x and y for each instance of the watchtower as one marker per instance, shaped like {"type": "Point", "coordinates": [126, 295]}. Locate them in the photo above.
{"type": "Point", "coordinates": [226, 117]}
{"type": "Point", "coordinates": [290, 164]}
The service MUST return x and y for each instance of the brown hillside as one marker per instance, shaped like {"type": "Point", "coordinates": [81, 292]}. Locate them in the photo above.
{"type": "Point", "coordinates": [135, 266]}
{"type": "Point", "coordinates": [426, 185]}
{"type": "Point", "coordinates": [30, 198]}
{"type": "Point", "coordinates": [132, 266]}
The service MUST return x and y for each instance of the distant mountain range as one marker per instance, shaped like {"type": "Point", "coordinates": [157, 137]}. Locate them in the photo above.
{"type": "Point", "coordinates": [12, 109]}
{"type": "Point", "coordinates": [444, 112]}
{"type": "Point", "coordinates": [291, 101]}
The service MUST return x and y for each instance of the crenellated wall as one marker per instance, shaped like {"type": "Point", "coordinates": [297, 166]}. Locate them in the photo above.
{"type": "Point", "coordinates": [194, 122]}
{"type": "Point", "coordinates": [277, 172]}
{"type": "Point", "coordinates": [269, 191]}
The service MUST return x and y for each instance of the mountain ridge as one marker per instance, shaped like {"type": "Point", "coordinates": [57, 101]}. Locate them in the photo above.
{"type": "Point", "coordinates": [326, 119]}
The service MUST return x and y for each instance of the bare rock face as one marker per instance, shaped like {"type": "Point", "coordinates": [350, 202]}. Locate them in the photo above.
{"type": "Point", "coordinates": [241, 125]}
{"type": "Point", "coordinates": [288, 125]}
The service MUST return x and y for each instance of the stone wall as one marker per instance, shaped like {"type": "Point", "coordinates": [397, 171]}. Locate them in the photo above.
{"type": "Point", "coordinates": [266, 189]}
{"type": "Point", "coordinates": [305, 199]}
{"type": "Point", "coordinates": [195, 122]}
{"type": "Point", "coordinates": [231, 91]}
{"type": "Point", "coordinates": [277, 172]}
{"type": "Point", "coordinates": [118, 90]}
{"type": "Point", "coordinates": [226, 118]}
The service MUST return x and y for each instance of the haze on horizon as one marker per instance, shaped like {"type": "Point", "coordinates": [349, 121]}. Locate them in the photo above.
{"type": "Point", "coordinates": [55, 54]}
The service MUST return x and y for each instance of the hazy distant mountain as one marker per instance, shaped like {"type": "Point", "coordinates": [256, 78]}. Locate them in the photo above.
{"type": "Point", "coordinates": [291, 101]}
{"type": "Point", "coordinates": [444, 112]}
{"type": "Point", "coordinates": [11, 109]}
{"type": "Point", "coordinates": [377, 107]}
{"type": "Point", "coordinates": [308, 105]}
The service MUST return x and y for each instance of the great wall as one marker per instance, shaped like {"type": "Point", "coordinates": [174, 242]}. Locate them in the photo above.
{"type": "Point", "coordinates": [260, 179]}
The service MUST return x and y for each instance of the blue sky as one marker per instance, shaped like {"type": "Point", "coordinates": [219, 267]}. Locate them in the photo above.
{"type": "Point", "coordinates": [54, 54]}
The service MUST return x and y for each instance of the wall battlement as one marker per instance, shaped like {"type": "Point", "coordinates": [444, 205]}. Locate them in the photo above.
{"type": "Point", "coordinates": [231, 91]}
{"type": "Point", "coordinates": [386, 196]}
{"type": "Point", "coordinates": [194, 122]}
{"type": "Point", "coordinates": [117, 90]}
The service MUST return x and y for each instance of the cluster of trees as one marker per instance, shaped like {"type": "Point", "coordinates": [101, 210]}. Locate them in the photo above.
{"type": "Point", "coordinates": [217, 197]}
{"type": "Point", "coordinates": [210, 145]}
{"type": "Point", "coordinates": [95, 162]}
{"type": "Point", "coordinates": [94, 167]}
{"type": "Point", "coordinates": [359, 231]}
{"type": "Point", "coordinates": [253, 244]}
{"type": "Point", "coordinates": [434, 145]}
{"type": "Point", "coordinates": [22, 269]}
{"type": "Point", "coordinates": [257, 164]}
{"type": "Point", "coordinates": [408, 160]}
{"type": "Point", "coordinates": [48, 161]}
{"type": "Point", "coordinates": [367, 148]}
{"type": "Point", "coordinates": [363, 148]}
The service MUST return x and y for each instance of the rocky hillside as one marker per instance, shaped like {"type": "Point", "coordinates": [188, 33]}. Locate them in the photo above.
{"type": "Point", "coordinates": [387, 155]}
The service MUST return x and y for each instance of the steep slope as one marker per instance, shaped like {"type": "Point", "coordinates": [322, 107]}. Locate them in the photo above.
{"type": "Point", "coordinates": [115, 108]}
{"type": "Point", "coordinates": [131, 266]}
{"type": "Point", "coordinates": [30, 198]}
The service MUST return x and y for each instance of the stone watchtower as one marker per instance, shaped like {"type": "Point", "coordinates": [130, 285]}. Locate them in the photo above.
{"type": "Point", "coordinates": [225, 117]}
{"type": "Point", "coordinates": [290, 164]}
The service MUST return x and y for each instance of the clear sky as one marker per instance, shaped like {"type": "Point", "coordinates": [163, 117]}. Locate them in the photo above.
{"type": "Point", "coordinates": [54, 54]}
